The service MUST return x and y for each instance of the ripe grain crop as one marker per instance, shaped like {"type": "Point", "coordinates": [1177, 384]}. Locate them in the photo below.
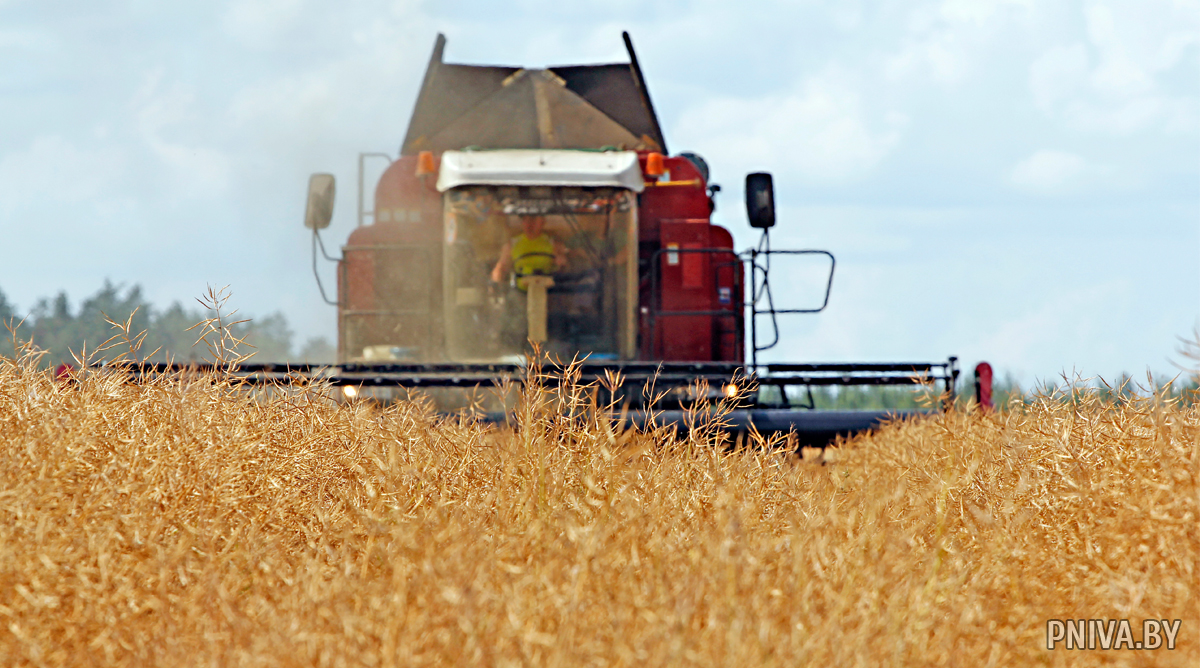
{"type": "Point", "coordinates": [183, 521]}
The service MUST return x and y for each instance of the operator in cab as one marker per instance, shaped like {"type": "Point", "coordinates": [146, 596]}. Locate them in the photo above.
{"type": "Point", "coordinates": [531, 252]}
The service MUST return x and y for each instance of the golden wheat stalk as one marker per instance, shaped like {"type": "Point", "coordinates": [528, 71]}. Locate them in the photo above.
{"type": "Point", "coordinates": [191, 523]}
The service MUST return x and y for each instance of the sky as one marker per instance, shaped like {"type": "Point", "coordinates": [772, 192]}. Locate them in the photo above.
{"type": "Point", "coordinates": [1016, 181]}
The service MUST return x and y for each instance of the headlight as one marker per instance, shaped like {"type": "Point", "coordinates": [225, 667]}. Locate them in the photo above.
{"type": "Point", "coordinates": [350, 391]}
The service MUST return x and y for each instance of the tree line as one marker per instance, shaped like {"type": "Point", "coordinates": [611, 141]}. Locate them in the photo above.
{"type": "Point", "coordinates": [65, 330]}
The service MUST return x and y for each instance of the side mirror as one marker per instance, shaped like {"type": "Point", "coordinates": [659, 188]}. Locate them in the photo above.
{"type": "Point", "coordinates": [760, 200]}
{"type": "Point", "coordinates": [319, 211]}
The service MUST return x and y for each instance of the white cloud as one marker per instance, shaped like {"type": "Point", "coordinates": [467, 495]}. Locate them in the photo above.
{"type": "Point", "coordinates": [290, 104]}
{"type": "Point", "coordinates": [257, 23]}
{"type": "Point", "coordinates": [1040, 336]}
{"type": "Point", "coordinates": [978, 12]}
{"type": "Point", "coordinates": [820, 131]}
{"type": "Point", "coordinates": [194, 169]}
{"type": "Point", "coordinates": [1118, 72]}
{"type": "Point", "coordinates": [1137, 39]}
{"type": "Point", "coordinates": [1119, 80]}
{"type": "Point", "coordinates": [1058, 74]}
{"type": "Point", "coordinates": [52, 171]}
{"type": "Point", "coordinates": [1050, 172]}
{"type": "Point", "coordinates": [25, 39]}
{"type": "Point", "coordinates": [937, 55]}
{"type": "Point", "coordinates": [944, 41]}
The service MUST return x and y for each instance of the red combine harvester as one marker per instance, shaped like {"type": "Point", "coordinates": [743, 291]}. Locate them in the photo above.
{"type": "Point", "coordinates": [540, 207]}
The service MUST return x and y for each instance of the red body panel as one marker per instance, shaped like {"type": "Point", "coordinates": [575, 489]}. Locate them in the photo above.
{"type": "Point", "coordinates": [684, 285]}
{"type": "Point", "coordinates": [686, 198]}
{"type": "Point", "coordinates": [675, 210]}
{"type": "Point", "coordinates": [697, 274]}
{"type": "Point", "coordinates": [389, 282]}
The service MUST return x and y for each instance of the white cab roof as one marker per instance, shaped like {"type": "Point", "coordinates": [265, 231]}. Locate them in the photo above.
{"type": "Point", "coordinates": [540, 167]}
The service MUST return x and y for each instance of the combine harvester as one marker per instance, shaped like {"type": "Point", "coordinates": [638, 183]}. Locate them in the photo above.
{"type": "Point", "coordinates": [540, 207]}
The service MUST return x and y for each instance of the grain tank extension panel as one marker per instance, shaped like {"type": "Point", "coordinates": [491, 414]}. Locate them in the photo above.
{"type": "Point", "coordinates": [572, 107]}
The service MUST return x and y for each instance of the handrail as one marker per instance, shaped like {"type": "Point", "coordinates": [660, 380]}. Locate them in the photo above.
{"type": "Point", "coordinates": [758, 290]}
{"type": "Point", "coordinates": [362, 212]}
{"type": "Point", "coordinates": [757, 293]}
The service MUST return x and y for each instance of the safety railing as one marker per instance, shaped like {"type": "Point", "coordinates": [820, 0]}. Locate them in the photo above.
{"type": "Point", "coordinates": [759, 261]}
{"type": "Point", "coordinates": [759, 302]}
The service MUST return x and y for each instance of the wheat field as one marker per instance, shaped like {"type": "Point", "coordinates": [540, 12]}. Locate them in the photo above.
{"type": "Point", "coordinates": [186, 522]}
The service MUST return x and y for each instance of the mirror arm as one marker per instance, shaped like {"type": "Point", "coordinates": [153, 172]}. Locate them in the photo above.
{"type": "Point", "coordinates": [317, 274]}
{"type": "Point", "coordinates": [321, 242]}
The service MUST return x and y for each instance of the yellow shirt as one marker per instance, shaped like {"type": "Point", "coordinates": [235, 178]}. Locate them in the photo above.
{"type": "Point", "coordinates": [533, 256]}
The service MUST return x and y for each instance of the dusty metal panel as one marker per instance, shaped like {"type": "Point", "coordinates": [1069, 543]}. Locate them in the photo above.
{"type": "Point", "coordinates": [571, 122]}
{"type": "Point", "coordinates": [447, 92]}
{"type": "Point", "coordinates": [532, 110]}
{"type": "Point", "coordinates": [506, 118]}
{"type": "Point", "coordinates": [580, 106]}
{"type": "Point", "coordinates": [611, 89]}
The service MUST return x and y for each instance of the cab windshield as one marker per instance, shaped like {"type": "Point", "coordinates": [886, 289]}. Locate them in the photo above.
{"type": "Point", "coordinates": [551, 266]}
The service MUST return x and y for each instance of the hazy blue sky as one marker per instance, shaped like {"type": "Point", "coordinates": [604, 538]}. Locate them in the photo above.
{"type": "Point", "coordinates": [1016, 181]}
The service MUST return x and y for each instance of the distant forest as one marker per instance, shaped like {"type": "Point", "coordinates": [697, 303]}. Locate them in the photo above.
{"type": "Point", "coordinates": [58, 327]}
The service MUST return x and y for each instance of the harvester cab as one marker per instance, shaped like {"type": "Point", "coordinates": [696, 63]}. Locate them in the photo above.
{"type": "Point", "coordinates": [539, 248]}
